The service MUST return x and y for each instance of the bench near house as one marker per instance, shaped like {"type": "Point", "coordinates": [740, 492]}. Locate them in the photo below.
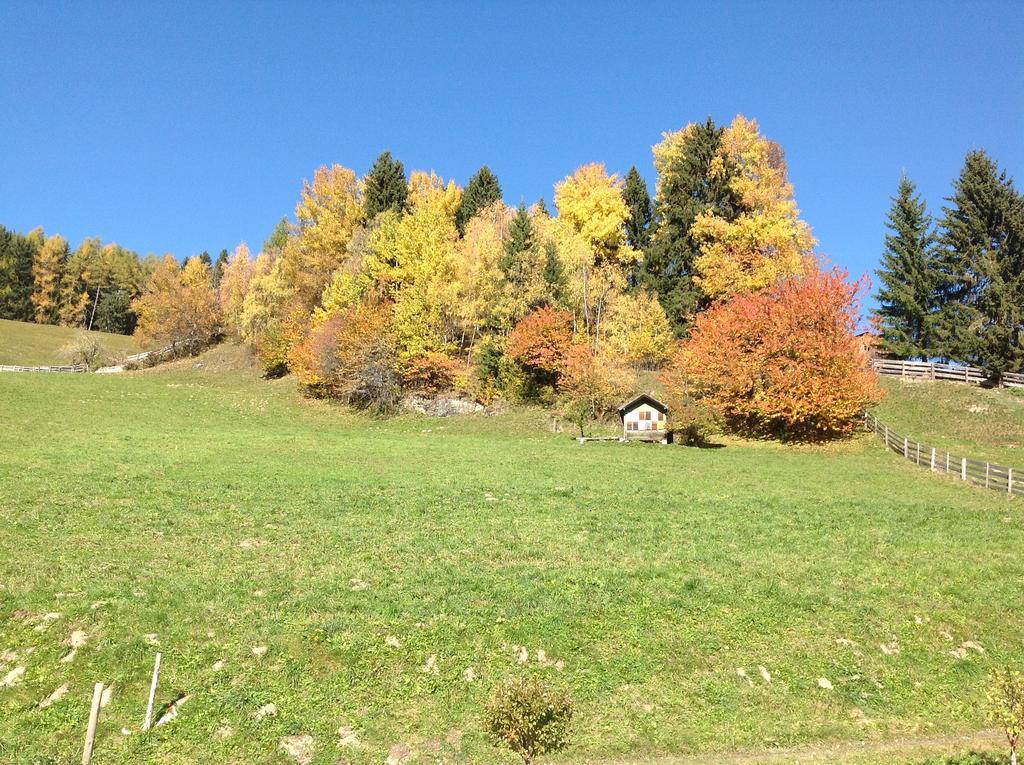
{"type": "Point", "coordinates": [644, 418]}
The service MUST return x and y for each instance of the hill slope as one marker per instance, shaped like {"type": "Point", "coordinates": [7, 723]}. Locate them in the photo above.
{"type": "Point", "coordinates": [352, 572]}
{"type": "Point", "coordinates": [28, 344]}
{"type": "Point", "coordinates": [985, 424]}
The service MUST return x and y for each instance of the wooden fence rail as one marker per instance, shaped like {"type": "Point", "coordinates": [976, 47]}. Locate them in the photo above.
{"type": "Point", "coordinates": [1008, 480]}
{"type": "Point", "coordinates": [929, 370]}
{"type": "Point", "coordinates": [67, 368]}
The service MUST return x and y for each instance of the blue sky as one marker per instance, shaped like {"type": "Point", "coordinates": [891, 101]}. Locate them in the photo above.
{"type": "Point", "coordinates": [182, 127]}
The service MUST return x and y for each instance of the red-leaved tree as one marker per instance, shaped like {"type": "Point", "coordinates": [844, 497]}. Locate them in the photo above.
{"type": "Point", "coordinates": [540, 342]}
{"type": "Point", "coordinates": [783, 362]}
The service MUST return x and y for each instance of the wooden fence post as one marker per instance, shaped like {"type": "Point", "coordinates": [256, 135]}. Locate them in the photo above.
{"type": "Point", "coordinates": [1009, 480]}
{"type": "Point", "coordinates": [918, 453]}
{"type": "Point", "coordinates": [94, 716]}
{"type": "Point", "coordinates": [963, 468]}
{"type": "Point", "coordinates": [933, 459]}
{"type": "Point", "coordinates": [906, 448]}
{"type": "Point", "coordinates": [987, 469]}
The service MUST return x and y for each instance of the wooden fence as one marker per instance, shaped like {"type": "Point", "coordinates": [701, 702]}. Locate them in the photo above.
{"type": "Point", "coordinates": [928, 370]}
{"type": "Point", "coordinates": [68, 368]}
{"type": "Point", "coordinates": [136, 360]}
{"type": "Point", "coordinates": [1008, 480]}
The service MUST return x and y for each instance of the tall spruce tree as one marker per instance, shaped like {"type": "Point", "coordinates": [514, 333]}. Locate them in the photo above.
{"type": "Point", "coordinates": [638, 199]}
{"type": "Point", "coordinates": [906, 296]}
{"type": "Point", "coordinates": [519, 241]}
{"type": "Point", "coordinates": [217, 272]}
{"type": "Point", "coordinates": [482, 190]}
{"type": "Point", "coordinates": [385, 187]}
{"type": "Point", "coordinates": [686, 188]}
{"type": "Point", "coordinates": [17, 253]}
{"type": "Point", "coordinates": [981, 269]}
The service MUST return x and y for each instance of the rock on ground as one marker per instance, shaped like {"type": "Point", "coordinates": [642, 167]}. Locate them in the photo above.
{"type": "Point", "coordinates": [299, 747]}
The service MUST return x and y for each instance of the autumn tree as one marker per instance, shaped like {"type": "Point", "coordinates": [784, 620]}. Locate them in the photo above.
{"type": "Point", "coordinates": [592, 243]}
{"type": "Point", "coordinates": [385, 187]}
{"type": "Point", "coordinates": [482, 191]}
{"type": "Point", "coordinates": [686, 188]}
{"type": "Point", "coordinates": [47, 270]}
{"type": "Point", "coordinates": [767, 241]}
{"type": "Point", "coordinates": [178, 306]}
{"type": "Point", "coordinates": [269, 314]}
{"type": "Point", "coordinates": [328, 212]}
{"type": "Point", "coordinates": [237, 273]}
{"type": "Point", "coordinates": [638, 200]}
{"type": "Point", "coordinates": [541, 341]}
{"type": "Point", "coordinates": [906, 297]}
{"type": "Point", "coordinates": [479, 269]}
{"type": "Point", "coordinates": [637, 331]}
{"type": "Point", "coordinates": [413, 262]}
{"type": "Point", "coordinates": [589, 386]}
{"type": "Point", "coordinates": [352, 356]}
{"type": "Point", "coordinates": [275, 243]}
{"type": "Point", "coordinates": [784, 362]}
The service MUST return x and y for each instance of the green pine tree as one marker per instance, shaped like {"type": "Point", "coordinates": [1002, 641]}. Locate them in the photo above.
{"type": "Point", "coordinates": [482, 190]}
{"type": "Point", "coordinates": [278, 237]}
{"type": "Point", "coordinates": [685, 190]}
{"type": "Point", "coordinates": [981, 269]}
{"type": "Point", "coordinates": [218, 268]}
{"type": "Point", "coordinates": [907, 294]}
{"type": "Point", "coordinates": [16, 255]}
{"type": "Point", "coordinates": [542, 207]}
{"type": "Point", "coordinates": [205, 257]}
{"type": "Point", "coordinates": [385, 187]}
{"type": "Point", "coordinates": [554, 275]}
{"type": "Point", "coordinates": [638, 199]}
{"type": "Point", "coordinates": [520, 240]}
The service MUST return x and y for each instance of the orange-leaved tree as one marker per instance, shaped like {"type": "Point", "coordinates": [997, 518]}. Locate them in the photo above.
{"type": "Point", "coordinates": [540, 342]}
{"type": "Point", "coordinates": [353, 356]}
{"type": "Point", "coordinates": [784, 362]}
{"type": "Point", "coordinates": [178, 305]}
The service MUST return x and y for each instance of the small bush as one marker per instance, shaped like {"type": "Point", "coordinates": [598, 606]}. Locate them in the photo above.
{"type": "Point", "coordinates": [529, 717]}
{"type": "Point", "coordinates": [85, 350]}
{"type": "Point", "coordinates": [1006, 706]}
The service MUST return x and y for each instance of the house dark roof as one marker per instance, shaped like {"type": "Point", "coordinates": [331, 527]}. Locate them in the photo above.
{"type": "Point", "coordinates": [643, 398]}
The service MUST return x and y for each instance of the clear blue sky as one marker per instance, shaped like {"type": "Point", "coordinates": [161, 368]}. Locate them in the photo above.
{"type": "Point", "coordinates": [189, 126]}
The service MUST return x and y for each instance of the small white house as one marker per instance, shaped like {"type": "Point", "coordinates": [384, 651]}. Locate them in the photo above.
{"type": "Point", "coordinates": [645, 418]}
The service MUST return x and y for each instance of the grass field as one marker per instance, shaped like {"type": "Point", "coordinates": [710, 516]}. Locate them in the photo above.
{"type": "Point", "coordinates": [352, 572]}
{"type": "Point", "coordinates": [40, 344]}
{"type": "Point", "coordinates": [964, 419]}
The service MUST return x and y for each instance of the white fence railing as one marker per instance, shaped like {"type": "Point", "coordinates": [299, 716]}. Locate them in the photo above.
{"type": "Point", "coordinates": [1002, 478]}
{"type": "Point", "coordinates": [929, 370]}
{"type": "Point", "coordinates": [66, 368]}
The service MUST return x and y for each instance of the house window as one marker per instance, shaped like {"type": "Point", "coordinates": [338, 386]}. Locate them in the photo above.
{"type": "Point", "coordinates": [645, 415]}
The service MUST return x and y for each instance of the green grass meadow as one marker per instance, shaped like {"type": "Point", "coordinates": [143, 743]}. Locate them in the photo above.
{"type": "Point", "coordinates": [395, 570]}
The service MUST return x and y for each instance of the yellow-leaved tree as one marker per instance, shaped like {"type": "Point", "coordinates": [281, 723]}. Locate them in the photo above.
{"type": "Point", "coordinates": [765, 243]}
{"type": "Point", "coordinates": [47, 268]}
{"type": "Point", "coordinates": [413, 260]}
{"type": "Point", "coordinates": [638, 331]}
{"type": "Point", "coordinates": [233, 287]}
{"type": "Point", "coordinates": [329, 210]}
{"type": "Point", "coordinates": [268, 313]}
{"type": "Point", "coordinates": [479, 268]}
{"type": "Point", "coordinates": [591, 243]}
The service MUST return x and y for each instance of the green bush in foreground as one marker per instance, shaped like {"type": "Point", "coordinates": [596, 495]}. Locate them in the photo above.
{"type": "Point", "coordinates": [530, 717]}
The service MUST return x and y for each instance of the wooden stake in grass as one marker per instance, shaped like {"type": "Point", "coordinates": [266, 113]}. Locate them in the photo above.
{"type": "Point", "coordinates": [94, 716]}
{"type": "Point", "coordinates": [152, 693]}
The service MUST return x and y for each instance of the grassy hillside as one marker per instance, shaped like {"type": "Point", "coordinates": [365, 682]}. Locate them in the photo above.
{"type": "Point", "coordinates": [980, 423]}
{"type": "Point", "coordinates": [353, 572]}
{"type": "Point", "coordinates": [41, 344]}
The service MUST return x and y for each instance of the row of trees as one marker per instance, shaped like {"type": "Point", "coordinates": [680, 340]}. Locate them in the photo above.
{"type": "Point", "coordinates": [396, 282]}
{"type": "Point", "coordinates": [43, 280]}
{"type": "Point", "coordinates": [955, 290]}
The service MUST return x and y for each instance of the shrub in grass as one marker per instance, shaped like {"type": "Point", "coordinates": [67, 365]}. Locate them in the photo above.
{"type": "Point", "coordinates": [530, 717]}
{"type": "Point", "coordinates": [968, 758]}
{"type": "Point", "coordinates": [86, 351]}
{"type": "Point", "coordinates": [1006, 706]}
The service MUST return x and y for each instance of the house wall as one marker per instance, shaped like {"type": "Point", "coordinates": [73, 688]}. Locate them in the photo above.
{"type": "Point", "coordinates": [643, 419]}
